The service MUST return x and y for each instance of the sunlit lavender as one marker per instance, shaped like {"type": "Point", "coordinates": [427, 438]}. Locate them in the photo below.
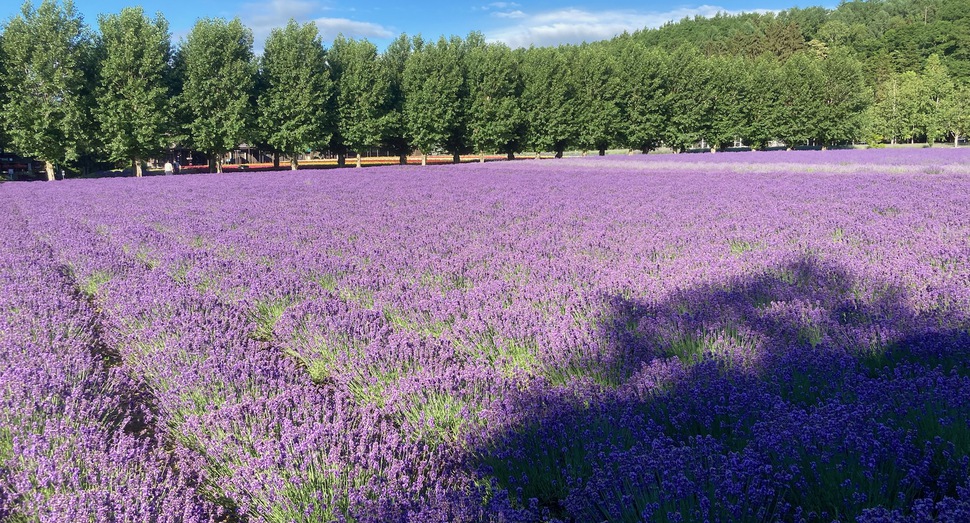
{"type": "Point", "coordinates": [765, 336]}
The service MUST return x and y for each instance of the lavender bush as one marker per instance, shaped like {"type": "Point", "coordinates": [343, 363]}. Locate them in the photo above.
{"type": "Point", "coordinates": [745, 337]}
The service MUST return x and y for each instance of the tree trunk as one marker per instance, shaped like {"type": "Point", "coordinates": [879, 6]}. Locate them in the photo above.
{"type": "Point", "coordinates": [456, 158]}
{"type": "Point", "coordinates": [481, 157]}
{"type": "Point", "coordinates": [956, 139]}
{"type": "Point", "coordinates": [403, 159]}
{"type": "Point", "coordinates": [341, 159]}
{"type": "Point", "coordinates": [559, 153]}
{"type": "Point", "coordinates": [358, 161]}
{"type": "Point", "coordinates": [511, 156]}
{"type": "Point", "coordinates": [219, 165]}
{"type": "Point", "coordinates": [212, 164]}
{"type": "Point", "coordinates": [294, 163]}
{"type": "Point", "coordinates": [424, 158]}
{"type": "Point", "coordinates": [49, 167]}
{"type": "Point", "coordinates": [138, 170]}
{"type": "Point", "coordinates": [276, 159]}
{"type": "Point", "coordinates": [602, 152]}
{"type": "Point", "coordinates": [713, 150]}
{"type": "Point", "coordinates": [538, 155]}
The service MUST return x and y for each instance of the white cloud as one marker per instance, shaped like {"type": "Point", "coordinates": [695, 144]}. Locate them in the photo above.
{"type": "Point", "coordinates": [575, 25]}
{"type": "Point", "coordinates": [263, 17]}
{"type": "Point", "coordinates": [331, 27]}
{"type": "Point", "coordinates": [509, 14]}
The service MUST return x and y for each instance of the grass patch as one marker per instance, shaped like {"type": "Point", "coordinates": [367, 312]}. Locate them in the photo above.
{"type": "Point", "coordinates": [739, 247]}
{"type": "Point", "coordinates": [266, 315]}
{"type": "Point", "coordinates": [92, 283]}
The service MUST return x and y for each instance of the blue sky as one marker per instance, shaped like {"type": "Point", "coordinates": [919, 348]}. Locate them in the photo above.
{"type": "Point", "coordinates": [518, 23]}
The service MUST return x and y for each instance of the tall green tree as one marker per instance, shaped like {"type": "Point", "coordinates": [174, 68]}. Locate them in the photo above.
{"type": "Point", "coordinates": [293, 106]}
{"type": "Point", "coordinates": [495, 118]}
{"type": "Point", "coordinates": [761, 99]}
{"type": "Point", "coordinates": [219, 79]}
{"type": "Point", "coordinates": [364, 96]}
{"type": "Point", "coordinates": [47, 54]}
{"type": "Point", "coordinates": [549, 99]}
{"type": "Point", "coordinates": [842, 97]}
{"type": "Point", "coordinates": [687, 98]}
{"type": "Point", "coordinates": [393, 62]}
{"type": "Point", "coordinates": [642, 103]}
{"type": "Point", "coordinates": [727, 87]}
{"type": "Point", "coordinates": [598, 91]}
{"type": "Point", "coordinates": [133, 92]}
{"type": "Point", "coordinates": [796, 115]}
{"type": "Point", "coordinates": [896, 110]}
{"type": "Point", "coordinates": [958, 112]}
{"type": "Point", "coordinates": [937, 89]}
{"type": "Point", "coordinates": [434, 103]}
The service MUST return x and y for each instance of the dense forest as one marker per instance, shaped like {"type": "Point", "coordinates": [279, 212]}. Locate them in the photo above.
{"type": "Point", "coordinates": [876, 71]}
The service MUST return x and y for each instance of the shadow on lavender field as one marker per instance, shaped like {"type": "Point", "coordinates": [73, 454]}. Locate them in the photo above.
{"type": "Point", "coordinates": [802, 394]}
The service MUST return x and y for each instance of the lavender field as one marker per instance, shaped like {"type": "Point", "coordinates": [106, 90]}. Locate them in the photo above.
{"type": "Point", "coordinates": [757, 337]}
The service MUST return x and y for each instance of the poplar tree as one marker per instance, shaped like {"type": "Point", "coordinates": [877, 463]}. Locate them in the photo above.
{"type": "Point", "coordinates": [219, 79]}
{"type": "Point", "coordinates": [132, 93]}
{"type": "Point", "coordinates": [687, 98]}
{"type": "Point", "coordinates": [364, 97]}
{"type": "Point", "coordinates": [549, 100]}
{"type": "Point", "coordinates": [597, 83]}
{"type": "Point", "coordinates": [293, 106]}
{"type": "Point", "coordinates": [957, 116]}
{"type": "Point", "coordinates": [643, 105]}
{"type": "Point", "coordinates": [434, 91]}
{"type": "Point", "coordinates": [495, 119]}
{"type": "Point", "coordinates": [393, 62]}
{"type": "Point", "coordinates": [46, 59]}
{"type": "Point", "coordinates": [937, 90]}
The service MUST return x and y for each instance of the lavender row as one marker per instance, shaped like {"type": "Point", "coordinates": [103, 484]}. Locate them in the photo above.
{"type": "Point", "coordinates": [76, 439]}
{"type": "Point", "coordinates": [271, 445]}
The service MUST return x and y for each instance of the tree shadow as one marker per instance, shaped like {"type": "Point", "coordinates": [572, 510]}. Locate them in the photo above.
{"type": "Point", "coordinates": [804, 393]}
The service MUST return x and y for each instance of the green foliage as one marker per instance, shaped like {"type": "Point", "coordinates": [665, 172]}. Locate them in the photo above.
{"type": "Point", "coordinates": [392, 63]}
{"type": "Point", "coordinates": [495, 119]}
{"type": "Point", "coordinates": [266, 315]}
{"type": "Point", "coordinates": [293, 106]}
{"type": "Point", "coordinates": [132, 95]}
{"type": "Point", "coordinates": [896, 112]}
{"type": "Point", "coordinates": [958, 112]}
{"type": "Point", "coordinates": [598, 112]}
{"type": "Point", "coordinates": [219, 79]}
{"type": "Point", "coordinates": [937, 89]}
{"type": "Point", "coordinates": [688, 101]}
{"type": "Point", "coordinates": [363, 95]}
{"type": "Point", "coordinates": [641, 78]}
{"type": "Point", "coordinates": [47, 52]}
{"type": "Point", "coordinates": [435, 95]}
{"type": "Point", "coordinates": [549, 99]}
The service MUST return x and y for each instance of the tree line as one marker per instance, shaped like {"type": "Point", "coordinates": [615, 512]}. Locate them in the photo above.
{"type": "Point", "coordinates": [72, 96]}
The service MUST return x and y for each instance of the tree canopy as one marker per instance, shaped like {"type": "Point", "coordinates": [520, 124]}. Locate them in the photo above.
{"type": "Point", "coordinates": [294, 109]}
{"type": "Point", "coordinates": [47, 55]}
{"type": "Point", "coordinates": [133, 95]}
{"type": "Point", "coordinates": [219, 78]}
